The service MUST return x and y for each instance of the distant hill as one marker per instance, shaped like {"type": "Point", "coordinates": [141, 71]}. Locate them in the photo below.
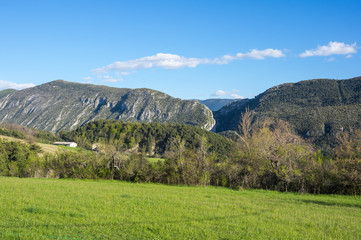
{"type": "Point", "coordinates": [316, 108]}
{"type": "Point", "coordinates": [216, 103]}
{"type": "Point", "coordinates": [61, 105]}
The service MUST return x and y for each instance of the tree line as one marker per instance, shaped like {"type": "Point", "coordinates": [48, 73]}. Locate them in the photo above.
{"type": "Point", "coordinates": [267, 155]}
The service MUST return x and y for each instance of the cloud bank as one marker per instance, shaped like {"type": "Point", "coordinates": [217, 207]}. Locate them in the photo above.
{"type": "Point", "coordinates": [333, 48]}
{"type": "Point", "coordinates": [173, 61]}
{"type": "Point", "coordinates": [17, 86]}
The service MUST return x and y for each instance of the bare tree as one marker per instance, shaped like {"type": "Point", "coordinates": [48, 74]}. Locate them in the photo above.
{"type": "Point", "coordinates": [245, 127]}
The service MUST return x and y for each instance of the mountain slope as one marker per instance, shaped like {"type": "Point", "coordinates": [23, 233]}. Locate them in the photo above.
{"type": "Point", "coordinates": [6, 92]}
{"type": "Point", "coordinates": [315, 108]}
{"type": "Point", "coordinates": [216, 103]}
{"type": "Point", "coordinates": [61, 105]}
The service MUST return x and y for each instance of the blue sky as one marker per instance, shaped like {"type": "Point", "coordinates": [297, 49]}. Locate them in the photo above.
{"type": "Point", "coordinates": [188, 49]}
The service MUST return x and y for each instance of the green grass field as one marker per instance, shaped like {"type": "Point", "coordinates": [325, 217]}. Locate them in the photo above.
{"type": "Point", "coordinates": [155, 160]}
{"type": "Point", "coordinates": [89, 209]}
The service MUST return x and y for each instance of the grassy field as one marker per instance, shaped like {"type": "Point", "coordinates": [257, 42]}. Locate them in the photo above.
{"type": "Point", "coordinates": [89, 209]}
{"type": "Point", "coordinates": [154, 160]}
{"type": "Point", "coordinates": [47, 148]}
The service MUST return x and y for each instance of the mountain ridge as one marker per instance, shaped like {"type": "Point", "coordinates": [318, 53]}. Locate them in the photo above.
{"type": "Point", "coordinates": [61, 105]}
{"type": "Point", "coordinates": [319, 108]}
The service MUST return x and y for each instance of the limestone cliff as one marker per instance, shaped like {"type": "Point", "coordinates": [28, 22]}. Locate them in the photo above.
{"type": "Point", "coordinates": [61, 105]}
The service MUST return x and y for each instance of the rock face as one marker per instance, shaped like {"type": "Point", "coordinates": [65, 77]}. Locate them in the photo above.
{"type": "Point", "coordinates": [61, 105]}
{"type": "Point", "coordinates": [316, 108]}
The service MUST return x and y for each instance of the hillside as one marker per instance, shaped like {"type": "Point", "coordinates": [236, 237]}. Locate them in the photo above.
{"type": "Point", "coordinates": [151, 138]}
{"type": "Point", "coordinates": [61, 105]}
{"type": "Point", "coordinates": [45, 148]}
{"type": "Point", "coordinates": [6, 92]}
{"type": "Point", "coordinates": [33, 138]}
{"type": "Point", "coordinates": [317, 108]}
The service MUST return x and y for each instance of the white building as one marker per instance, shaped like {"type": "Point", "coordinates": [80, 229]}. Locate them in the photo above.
{"type": "Point", "coordinates": [68, 144]}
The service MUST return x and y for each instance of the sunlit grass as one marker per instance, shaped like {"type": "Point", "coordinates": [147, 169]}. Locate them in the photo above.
{"type": "Point", "coordinates": [88, 209]}
{"type": "Point", "coordinates": [154, 159]}
{"type": "Point", "coordinates": [46, 148]}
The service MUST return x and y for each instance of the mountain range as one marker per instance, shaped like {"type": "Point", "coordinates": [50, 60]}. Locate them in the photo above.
{"type": "Point", "coordinates": [319, 109]}
{"type": "Point", "coordinates": [61, 105]}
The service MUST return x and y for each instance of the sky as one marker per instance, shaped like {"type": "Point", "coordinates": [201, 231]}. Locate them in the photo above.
{"type": "Point", "coordinates": [188, 49]}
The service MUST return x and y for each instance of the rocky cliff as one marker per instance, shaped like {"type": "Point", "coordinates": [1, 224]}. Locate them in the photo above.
{"type": "Point", "coordinates": [61, 105]}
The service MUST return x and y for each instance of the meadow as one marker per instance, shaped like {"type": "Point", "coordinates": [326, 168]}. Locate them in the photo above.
{"type": "Point", "coordinates": [46, 148]}
{"type": "Point", "coordinates": [104, 209]}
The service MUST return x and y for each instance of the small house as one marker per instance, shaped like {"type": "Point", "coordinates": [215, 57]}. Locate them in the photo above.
{"type": "Point", "coordinates": [67, 144]}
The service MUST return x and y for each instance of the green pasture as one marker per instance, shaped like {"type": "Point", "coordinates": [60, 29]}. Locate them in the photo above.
{"type": "Point", "coordinates": [155, 160]}
{"type": "Point", "coordinates": [90, 209]}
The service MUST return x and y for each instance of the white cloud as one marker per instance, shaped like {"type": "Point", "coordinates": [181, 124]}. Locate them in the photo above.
{"type": "Point", "coordinates": [163, 60]}
{"type": "Point", "coordinates": [219, 93]}
{"type": "Point", "coordinates": [333, 48]}
{"type": "Point", "coordinates": [232, 94]}
{"type": "Point", "coordinates": [253, 54]}
{"type": "Point", "coordinates": [18, 86]}
{"type": "Point", "coordinates": [256, 54]}
{"type": "Point", "coordinates": [173, 61]}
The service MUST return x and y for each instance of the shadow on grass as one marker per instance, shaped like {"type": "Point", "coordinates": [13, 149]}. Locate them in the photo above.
{"type": "Point", "coordinates": [37, 210]}
{"type": "Point", "coordinates": [141, 222]}
{"type": "Point", "coordinates": [140, 225]}
{"type": "Point", "coordinates": [332, 203]}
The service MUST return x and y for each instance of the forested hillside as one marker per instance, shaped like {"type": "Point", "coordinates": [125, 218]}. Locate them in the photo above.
{"type": "Point", "coordinates": [151, 138]}
{"type": "Point", "coordinates": [319, 109]}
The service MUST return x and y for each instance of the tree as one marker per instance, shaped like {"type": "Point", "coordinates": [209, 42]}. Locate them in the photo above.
{"type": "Point", "coordinates": [203, 164]}
{"type": "Point", "coordinates": [114, 158]}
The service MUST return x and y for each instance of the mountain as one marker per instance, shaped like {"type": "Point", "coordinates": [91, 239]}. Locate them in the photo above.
{"type": "Point", "coordinates": [216, 103]}
{"type": "Point", "coordinates": [61, 105]}
{"type": "Point", "coordinates": [6, 92]}
{"type": "Point", "coordinates": [316, 108]}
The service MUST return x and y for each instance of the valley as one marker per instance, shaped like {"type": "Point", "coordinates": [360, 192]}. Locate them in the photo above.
{"type": "Point", "coordinates": [180, 120]}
